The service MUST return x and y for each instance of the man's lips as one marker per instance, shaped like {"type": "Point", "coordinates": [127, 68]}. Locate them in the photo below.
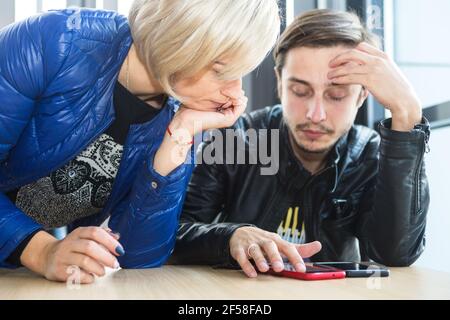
{"type": "Point", "coordinates": [313, 135]}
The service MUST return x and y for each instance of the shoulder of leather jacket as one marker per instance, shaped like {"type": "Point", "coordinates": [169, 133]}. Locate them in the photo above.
{"type": "Point", "coordinates": [361, 139]}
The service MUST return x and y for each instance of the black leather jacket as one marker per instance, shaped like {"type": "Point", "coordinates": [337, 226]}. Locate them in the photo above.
{"type": "Point", "coordinates": [370, 202]}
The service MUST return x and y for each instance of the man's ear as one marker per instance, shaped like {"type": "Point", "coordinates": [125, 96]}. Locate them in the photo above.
{"type": "Point", "coordinates": [362, 97]}
{"type": "Point", "coordinates": [278, 75]}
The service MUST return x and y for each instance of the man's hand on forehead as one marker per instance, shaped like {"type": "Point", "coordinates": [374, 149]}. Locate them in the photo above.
{"type": "Point", "coordinates": [377, 72]}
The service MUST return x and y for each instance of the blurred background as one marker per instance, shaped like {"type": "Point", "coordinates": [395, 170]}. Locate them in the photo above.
{"type": "Point", "coordinates": [414, 32]}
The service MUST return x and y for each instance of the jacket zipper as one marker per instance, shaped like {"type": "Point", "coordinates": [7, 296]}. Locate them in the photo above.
{"type": "Point", "coordinates": [417, 177]}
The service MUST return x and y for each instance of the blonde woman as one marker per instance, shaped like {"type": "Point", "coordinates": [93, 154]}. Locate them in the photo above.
{"type": "Point", "coordinates": [97, 118]}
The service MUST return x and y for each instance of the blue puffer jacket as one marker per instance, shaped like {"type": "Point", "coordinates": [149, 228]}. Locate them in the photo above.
{"type": "Point", "coordinates": [58, 71]}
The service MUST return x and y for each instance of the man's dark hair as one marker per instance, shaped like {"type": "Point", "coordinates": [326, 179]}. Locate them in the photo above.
{"type": "Point", "coordinates": [322, 28]}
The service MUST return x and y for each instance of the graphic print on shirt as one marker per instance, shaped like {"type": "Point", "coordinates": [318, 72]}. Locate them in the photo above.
{"type": "Point", "coordinates": [77, 190]}
{"type": "Point", "coordinates": [292, 228]}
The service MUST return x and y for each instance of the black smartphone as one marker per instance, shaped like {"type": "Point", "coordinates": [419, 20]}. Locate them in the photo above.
{"type": "Point", "coordinates": [358, 269]}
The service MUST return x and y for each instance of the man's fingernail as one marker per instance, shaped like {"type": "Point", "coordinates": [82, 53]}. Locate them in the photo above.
{"type": "Point", "coordinates": [277, 264]}
{"type": "Point", "coordinates": [253, 274]}
{"type": "Point", "coordinates": [300, 267]}
{"type": "Point", "coordinates": [120, 251]}
{"type": "Point", "coordinates": [265, 265]}
{"type": "Point", "coordinates": [116, 265]}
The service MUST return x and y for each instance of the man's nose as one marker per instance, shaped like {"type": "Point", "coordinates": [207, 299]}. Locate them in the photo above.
{"type": "Point", "coordinates": [316, 112]}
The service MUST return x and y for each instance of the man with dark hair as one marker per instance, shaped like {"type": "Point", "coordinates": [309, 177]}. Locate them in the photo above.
{"type": "Point", "coordinates": [342, 192]}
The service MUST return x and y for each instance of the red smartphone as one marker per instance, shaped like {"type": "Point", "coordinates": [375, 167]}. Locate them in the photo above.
{"type": "Point", "coordinates": [313, 272]}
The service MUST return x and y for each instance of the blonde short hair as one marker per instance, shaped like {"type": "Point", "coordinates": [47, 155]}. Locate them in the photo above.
{"type": "Point", "coordinates": [179, 38]}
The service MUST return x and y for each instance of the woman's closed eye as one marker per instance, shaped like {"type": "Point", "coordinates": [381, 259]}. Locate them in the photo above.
{"type": "Point", "coordinates": [218, 68]}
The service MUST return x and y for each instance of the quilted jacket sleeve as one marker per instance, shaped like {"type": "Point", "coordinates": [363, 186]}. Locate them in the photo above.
{"type": "Point", "coordinates": [26, 68]}
{"type": "Point", "coordinates": [148, 217]}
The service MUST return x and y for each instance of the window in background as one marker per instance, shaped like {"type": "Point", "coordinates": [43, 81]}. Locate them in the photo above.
{"type": "Point", "coordinates": [124, 6]}
{"type": "Point", "coordinates": [421, 48]}
{"type": "Point", "coordinates": [52, 4]}
{"type": "Point", "coordinates": [423, 53]}
{"type": "Point", "coordinates": [436, 256]}
{"type": "Point", "coordinates": [99, 4]}
{"type": "Point", "coordinates": [295, 8]}
{"type": "Point", "coordinates": [24, 9]}
{"type": "Point", "coordinates": [290, 11]}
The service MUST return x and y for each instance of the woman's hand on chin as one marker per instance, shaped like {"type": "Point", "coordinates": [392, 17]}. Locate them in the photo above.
{"type": "Point", "coordinates": [195, 121]}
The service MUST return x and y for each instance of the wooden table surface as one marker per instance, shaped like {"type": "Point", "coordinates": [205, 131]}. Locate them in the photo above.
{"type": "Point", "coordinates": [199, 283]}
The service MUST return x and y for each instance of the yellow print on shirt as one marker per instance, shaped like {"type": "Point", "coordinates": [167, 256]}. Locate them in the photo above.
{"type": "Point", "coordinates": [289, 228]}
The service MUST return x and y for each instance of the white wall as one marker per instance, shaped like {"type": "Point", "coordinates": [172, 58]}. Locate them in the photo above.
{"type": "Point", "coordinates": [422, 49]}
{"type": "Point", "coordinates": [6, 12]}
{"type": "Point", "coordinates": [437, 252]}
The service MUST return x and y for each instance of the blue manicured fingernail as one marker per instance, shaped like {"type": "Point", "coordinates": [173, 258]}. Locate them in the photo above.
{"type": "Point", "coordinates": [119, 250]}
